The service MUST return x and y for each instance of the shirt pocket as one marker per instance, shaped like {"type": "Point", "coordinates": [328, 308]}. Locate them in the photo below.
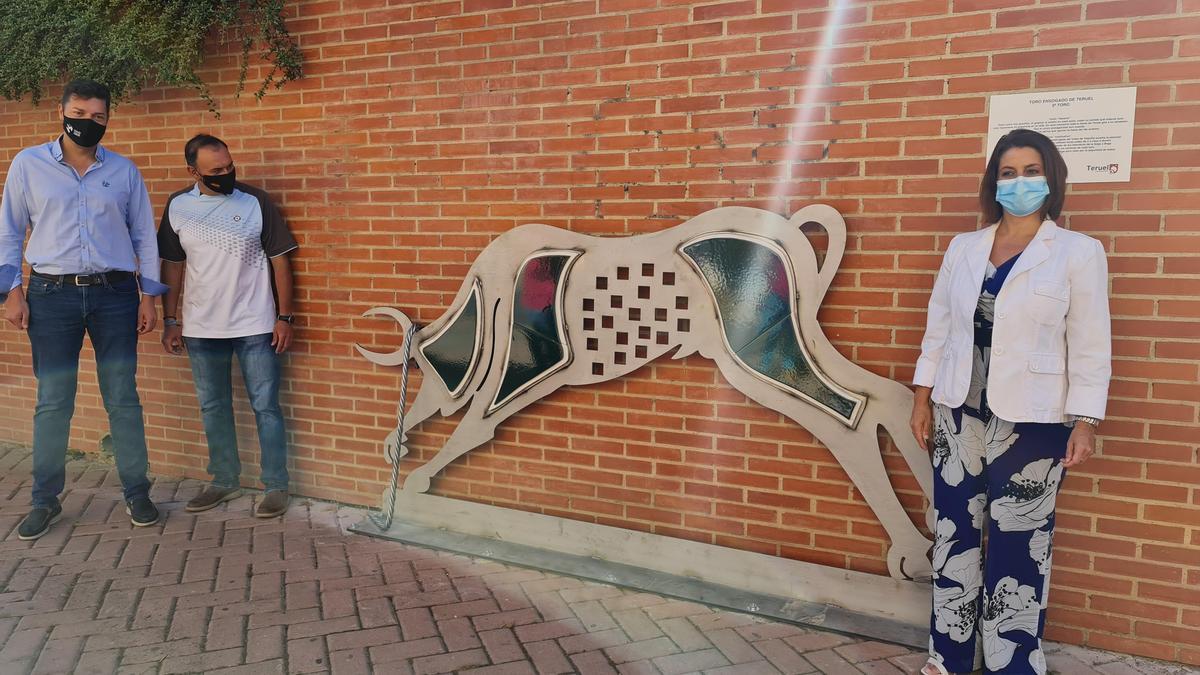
{"type": "Point", "coordinates": [109, 202]}
{"type": "Point", "coordinates": [1048, 302]}
{"type": "Point", "coordinates": [1047, 364]}
{"type": "Point", "coordinates": [1047, 381]}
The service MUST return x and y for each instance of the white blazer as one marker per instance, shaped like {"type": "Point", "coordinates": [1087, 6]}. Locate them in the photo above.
{"type": "Point", "coordinates": [1052, 337]}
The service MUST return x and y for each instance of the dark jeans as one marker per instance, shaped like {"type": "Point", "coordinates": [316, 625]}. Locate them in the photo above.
{"type": "Point", "coordinates": [59, 315]}
{"type": "Point", "coordinates": [212, 360]}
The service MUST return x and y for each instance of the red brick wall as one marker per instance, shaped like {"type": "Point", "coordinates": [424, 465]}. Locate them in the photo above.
{"type": "Point", "coordinates": [423, 130]}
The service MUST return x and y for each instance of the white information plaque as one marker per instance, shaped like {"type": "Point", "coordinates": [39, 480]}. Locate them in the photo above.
{"type": "Point", "coordinates": [1093, 128]}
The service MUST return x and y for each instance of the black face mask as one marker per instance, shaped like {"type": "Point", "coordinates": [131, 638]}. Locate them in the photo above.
{"type": "Point", "coordinates": [84, 132]}
{"type": "Point", "coordinates": [222, 183]}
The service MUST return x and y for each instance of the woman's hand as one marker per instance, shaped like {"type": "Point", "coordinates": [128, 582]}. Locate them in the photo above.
{"type": "Point", "coordinates": [1081, 445]}
{"type": "Point", "coordinates": [921, 422]}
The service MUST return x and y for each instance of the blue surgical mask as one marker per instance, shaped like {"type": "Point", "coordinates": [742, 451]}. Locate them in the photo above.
{"type": "Point", "coordinates": [1023, 195]}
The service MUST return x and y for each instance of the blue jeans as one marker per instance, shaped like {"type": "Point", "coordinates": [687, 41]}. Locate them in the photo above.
{"type": "Point", "coordinates": [59, 315]}
{"type": "Point", "coordinates": [212, 360]}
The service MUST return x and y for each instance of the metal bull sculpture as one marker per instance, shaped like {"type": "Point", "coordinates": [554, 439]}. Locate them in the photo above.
{"type": "Point", "coordinates": [543, 308]}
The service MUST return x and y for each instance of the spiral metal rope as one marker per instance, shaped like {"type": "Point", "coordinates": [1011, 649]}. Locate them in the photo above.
{"type": "Point", "coordinates": [383, 520]}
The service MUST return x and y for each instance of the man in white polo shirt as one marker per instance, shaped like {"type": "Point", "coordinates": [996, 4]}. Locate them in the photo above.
{"type": "Point", "coordinates": [233, 245]}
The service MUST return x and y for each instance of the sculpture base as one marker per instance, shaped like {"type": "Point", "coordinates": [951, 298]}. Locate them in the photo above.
{"type": "Point", "coordinates": [788, 590]}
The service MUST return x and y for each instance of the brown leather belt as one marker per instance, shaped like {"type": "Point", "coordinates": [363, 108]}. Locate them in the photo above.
{"type": "Point", "coordinates": [96, 279]}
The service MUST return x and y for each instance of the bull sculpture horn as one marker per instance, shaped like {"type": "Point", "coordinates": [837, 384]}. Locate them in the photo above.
{"type": "Point", "coordinates": [395, 358]}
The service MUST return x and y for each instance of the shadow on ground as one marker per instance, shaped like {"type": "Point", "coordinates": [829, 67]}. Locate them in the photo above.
{"type": "Point", "coordinates": [223, 592]}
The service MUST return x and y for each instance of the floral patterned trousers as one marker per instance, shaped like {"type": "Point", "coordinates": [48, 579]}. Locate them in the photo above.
{"type": "Point", "coordinates": [994, 591]}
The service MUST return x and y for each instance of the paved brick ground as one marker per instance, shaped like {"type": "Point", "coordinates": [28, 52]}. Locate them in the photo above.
{"type": "Point", "coordinates": [223, 592]}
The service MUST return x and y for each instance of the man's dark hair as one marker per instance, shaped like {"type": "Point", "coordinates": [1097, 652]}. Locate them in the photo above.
{"type": "Point", "coordinates": [192, 149]}
{"type": "Point", "coordinates": [1053, 166]}
{"type": "Point", "coordinates": [86, 89]}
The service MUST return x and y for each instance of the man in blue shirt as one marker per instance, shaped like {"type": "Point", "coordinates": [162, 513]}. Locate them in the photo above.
{"type": "Point", "coordinates": [91, 232]}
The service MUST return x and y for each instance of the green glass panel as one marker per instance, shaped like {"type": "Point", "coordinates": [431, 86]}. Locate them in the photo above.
{"type": "Point", "coordinates": [534, 349]}
{"type": "Point", "coordinates": [777, 355]}
{"type": "Point", "coordinates": [452, 353]}
{"type": "Point", "coordinates": [752, 289]}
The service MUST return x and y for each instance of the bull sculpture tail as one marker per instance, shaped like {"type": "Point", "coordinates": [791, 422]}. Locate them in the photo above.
{"type": "Point", "coordinates": [834, 225]}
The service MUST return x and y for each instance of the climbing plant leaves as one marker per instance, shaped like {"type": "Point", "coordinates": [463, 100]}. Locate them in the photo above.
{"type": "Point", "coordinates": [132, 44]}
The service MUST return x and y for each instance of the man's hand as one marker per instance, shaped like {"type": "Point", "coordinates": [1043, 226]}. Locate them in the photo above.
{"type": "Point", "coordinates": [16, 310]}
{"type": "Point", "coordinates": [147, 315]}
{"type": "Point", "coordinates": [172, 339]}
{"type": "Point", "coordinates": [281, 337]}
{"type": "Point", "coordinates": [1081, 445]}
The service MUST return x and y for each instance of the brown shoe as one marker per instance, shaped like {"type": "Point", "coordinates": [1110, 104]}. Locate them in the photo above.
{"type": "Point", "coordinates": [211, 497]}
{"type": "Point", "coordinates": [272, 504]}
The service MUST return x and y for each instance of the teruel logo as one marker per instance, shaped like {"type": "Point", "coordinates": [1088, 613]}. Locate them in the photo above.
{"type": "Point", "coordinates": [1114, 167]}
{"type": "Point", "coordinates": [1103, 168]}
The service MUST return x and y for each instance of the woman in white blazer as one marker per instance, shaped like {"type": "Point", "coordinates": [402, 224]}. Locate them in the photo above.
{"type": "Point", "coordinates": [1011, 385]}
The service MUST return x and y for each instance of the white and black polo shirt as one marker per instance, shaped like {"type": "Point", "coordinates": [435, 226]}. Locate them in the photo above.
{"type": "Point", "coordinates": [226, 242]}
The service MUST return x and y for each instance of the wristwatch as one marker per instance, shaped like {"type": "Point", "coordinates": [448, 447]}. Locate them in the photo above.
{"type": "Point", "coordinates": [170, 321]}
{"type": "Point", "coordinates": [1094, 421]}
{"type": "Point", "coordinates": [286, 318]}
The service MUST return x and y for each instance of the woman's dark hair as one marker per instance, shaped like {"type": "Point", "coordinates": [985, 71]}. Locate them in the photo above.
{"type": "Point", "coordinates": [1053, 166]}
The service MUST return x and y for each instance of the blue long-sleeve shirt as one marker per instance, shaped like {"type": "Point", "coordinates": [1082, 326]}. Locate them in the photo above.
{"type": "Point", "coordinates": [100, 222]}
